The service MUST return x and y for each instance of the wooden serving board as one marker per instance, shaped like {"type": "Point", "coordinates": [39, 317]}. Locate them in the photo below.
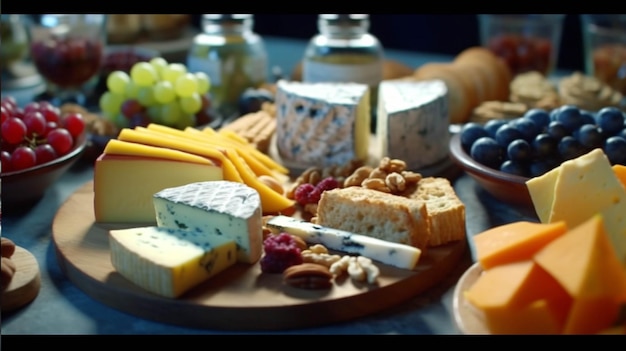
{"type": "Point", "coordinates": [25, 284]}
{"type": "Point", "coordinates": [240, 298]}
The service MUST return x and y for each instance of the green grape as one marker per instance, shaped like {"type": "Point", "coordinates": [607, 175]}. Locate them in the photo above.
{"type": "Point", "coordinates": [173, 71]}
{"type": "Point", "coordinates": [154, 112]}
{"type": "Point", "coordinates": [145, 96]}
{"type": "Point", "coordinates": [164, 92]}
{"type": "Point", "coordinates": [121, 121]}
{"type": "Point", "coordinates": [111, 102]}
{"type": "Point", "coordinates": [159, 63]}
{"type": "Point", "coordinates": [143, 74]}
{"type": "Point", "coordinates": [191, 104]}
{"type": "Point", "coordinates": [204, 82]}
{"type": "Point", "coordinates": [186, 120]}
{"type": "Point", "coordinates": [132, 90]}
{"type": "Point", "coordinates": [117, 82]}
{"type": "Point", "coordinates": [171, 113]}
{"type": "Point", "coordinates": [186, 85]}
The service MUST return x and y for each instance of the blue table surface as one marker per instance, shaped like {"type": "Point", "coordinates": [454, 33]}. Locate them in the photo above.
{"type": "Point", "coordinates": [63, 308]}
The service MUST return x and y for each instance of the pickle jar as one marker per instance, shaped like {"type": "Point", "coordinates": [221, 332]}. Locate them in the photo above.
{"type": "Point", "coordinates": [345, 51]}
{"type": "Point", "coordinates": [232, 55]}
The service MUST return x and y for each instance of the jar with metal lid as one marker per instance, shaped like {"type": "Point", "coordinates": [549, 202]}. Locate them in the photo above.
{"type": "Point", "coordinates": [345, 51]}
{"type": "Point", "coordinates": [232, 55]}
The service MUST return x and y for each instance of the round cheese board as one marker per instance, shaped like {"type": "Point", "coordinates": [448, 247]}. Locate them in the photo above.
{"type": "Point", "coordinates": [25, 284]}
{"type": "Point", "coordinates": [239, 298]}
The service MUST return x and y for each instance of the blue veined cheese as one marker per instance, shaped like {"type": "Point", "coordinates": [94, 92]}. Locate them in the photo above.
{"type": "Point", "coordinates": [168, 261]}
{"type": "Point", "coordinates": [413, 121]}
{"type": "Point", "coordinates": [216, 208]}
{"type": "Point", "coordinates": [322, 124]}
{"type": "Point", "coordinates": [394, 254]}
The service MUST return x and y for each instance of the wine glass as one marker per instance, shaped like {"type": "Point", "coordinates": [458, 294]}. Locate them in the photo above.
{"type": "Point", "coordinates": [68, 50]}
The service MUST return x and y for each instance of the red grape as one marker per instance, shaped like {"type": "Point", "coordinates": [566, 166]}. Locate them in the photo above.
{"type": "Point", "coordinates": [50, 112]}
{"type": "Point", "coordinates": [35, 124]}
{"type": "Point", "coordinates": [31, 107]}
{"type": "Point", "coordinates": [13, 130]}
{"type": "Point", "coordinates": [6, 161]}
{"type": "Point", "coordinates": [9, 103]}
{"type": "Point", "coordinates": [61, 140]}
{"type": "Point", "coordinates": [50, 126]}
{"type": "Point", "coordinates": [4, 113]}
{"type": "Point", "coordinates": [45, 153]}
{"type": "Point", "coordinates": [132, 107]}
{"type": "Point", "coordinates": [23, 157]}
{"type": "Point", "coordinates": [74, 123]}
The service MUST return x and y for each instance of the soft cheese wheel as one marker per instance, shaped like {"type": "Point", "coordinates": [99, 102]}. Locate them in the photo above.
{"type": "Point", "coordinates": [168, 261]}
{"type": "Point", "coordinates": [218, 208]}
{"type": "Point", "coordinates": [412, 121]}
{"type": "Point", "coordinates": [322, 124]}
{"type": "Point", "coordinates": [461, 94]}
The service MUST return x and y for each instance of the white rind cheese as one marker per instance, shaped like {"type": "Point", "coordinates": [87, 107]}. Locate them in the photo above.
{"type": "Point", "coordinates": [322, 124]}
{"type": "Point", "coordinates": [413, 121]}
{"type": "Point", "coordinates": [394, 254]}
{"type": "Point", "coordinates": [168, 261]}
{"type": "Point", "coordinates": [216, 208]}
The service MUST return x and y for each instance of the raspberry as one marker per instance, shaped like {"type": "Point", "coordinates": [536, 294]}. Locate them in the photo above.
{"type": "Point", "coordinates": [301, 194]}
{"type": "Point", "coordinates": [314, 196]}
{"type": "Point", "coordinates": [281, 252]}
{"type": "Point", "coordinates": [327, 183]}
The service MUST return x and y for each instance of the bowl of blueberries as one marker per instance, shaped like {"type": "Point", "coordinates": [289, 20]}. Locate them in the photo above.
{"type": "Point", "coordinates": [502, 154]}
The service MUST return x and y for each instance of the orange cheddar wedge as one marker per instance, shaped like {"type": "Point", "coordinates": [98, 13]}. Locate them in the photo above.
{"type": "Point", "coordinates": [620, 173]}
{"type": "Point", "coordinates": [512, 303]}
{"type": "Point", "coordinates": [515, 241]}
{"type": "Point", "coordinates": [585, 263]}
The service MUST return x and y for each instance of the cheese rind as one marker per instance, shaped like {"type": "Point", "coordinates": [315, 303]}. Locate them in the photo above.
{"type": "Point", "coordinates": [394, 254]}
{"type": "Point", "coordinates": [413, 120]}
{"type": "Point", "coordinates": [217, 208]}
{"type": "Point", "coordinates": [124, 185]}
{"type": "Point", "coordinates": [322, 124]}
{"type": "Point", "coordinates": [167, 261]}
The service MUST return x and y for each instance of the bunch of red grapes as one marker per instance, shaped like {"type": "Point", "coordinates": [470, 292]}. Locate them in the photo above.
{"type": "Point", "coordinates": [36, 134]}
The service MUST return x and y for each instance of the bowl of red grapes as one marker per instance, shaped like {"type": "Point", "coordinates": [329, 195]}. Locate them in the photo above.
{"type": "Point", "coordinates": [39, 144]}
{"type": "Point", "coordinates": [502, 154]}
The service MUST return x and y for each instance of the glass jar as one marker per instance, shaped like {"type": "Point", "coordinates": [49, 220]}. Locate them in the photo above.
{"type": "Point", "coordinates": [15, 40]}
{"type": "Point", "coordinates": [232, 55]}
{"type": "Point", "coordinates": [345, 51]}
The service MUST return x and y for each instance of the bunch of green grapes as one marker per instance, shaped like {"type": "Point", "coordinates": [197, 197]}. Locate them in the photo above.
{"type": "Point", "coordinates": [156, 91]}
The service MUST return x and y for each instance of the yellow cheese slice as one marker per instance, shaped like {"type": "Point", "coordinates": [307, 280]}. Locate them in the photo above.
{"type": "Point", "coordinates": [119, 147]}
{"type": "Point", "coordinates": [583, 187]}
{"type": "Point", "coordinates": [132, 135]}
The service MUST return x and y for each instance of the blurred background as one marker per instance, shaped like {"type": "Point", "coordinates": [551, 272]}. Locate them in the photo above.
{"type": "Point", "coordinates": [437, 33]}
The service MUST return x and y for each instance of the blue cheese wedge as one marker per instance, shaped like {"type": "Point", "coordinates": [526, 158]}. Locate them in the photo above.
{"type": "Point", "coordinates": [413, 121]}
{"type": "Point", "coordinates": [322, 124]}
{"type": "Point", "coordinates": [217, 208]}
{"type": "Point", "coordinates": [394, 254]}
{"type": "Point", "coordinates": [167, 261]}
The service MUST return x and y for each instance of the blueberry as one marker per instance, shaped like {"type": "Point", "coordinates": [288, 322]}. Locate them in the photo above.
{"type": "Point", "coordinates": [589, 136]}
{"type": "Point", "coordinates": [470, 133]}
{"type": "Point", "coordinates": [252, 99]}
{"type": "Point", "coordinates": [588, 117]}
{"type": "Point", "coordinates": [545, 146]}
{"type": "Point", "coordinates": [622, 133]}
{"type": "Point", "coordinates": [488, 152]}
{"type": "Point", "coordinates": [492, 126]}
{"type": "Point", "coordinates": [570, 148]}
{"type": "Point", "coordinates": [542, 166]}
{"type": "Point", "coordinates": [570, 116]}
{"type": "Point", "coordinates": [615, 150]}
{"type": "Point", "coordinates": [516, 168]}
{"type": "Point", "coordinates": [507, 133]}
{"type": "Point", "coordinates": [610, 120]}
{"type": "Point", "coordinates": [540, 116]}
{"type": "Point", "coordinates": [519, 151]}
{"type": "Point", "coordinates": [527, 127]}
{"type": "Point", "coordinates": [557, 130]}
